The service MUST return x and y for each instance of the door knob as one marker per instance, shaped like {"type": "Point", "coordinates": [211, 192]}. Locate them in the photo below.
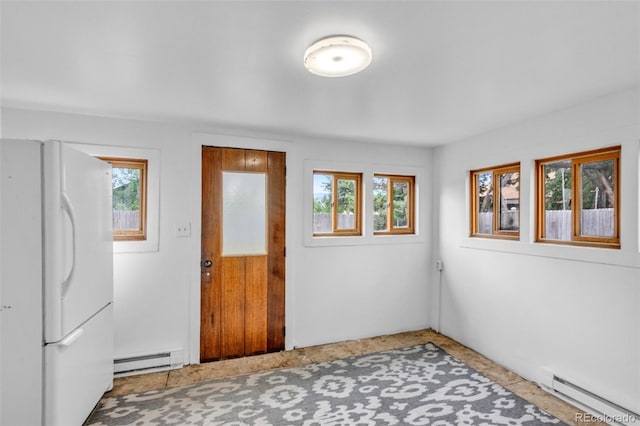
{"type": "Point", "coordinates": [205, 269]}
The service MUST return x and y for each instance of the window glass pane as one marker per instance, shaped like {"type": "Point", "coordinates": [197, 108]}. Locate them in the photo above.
{"type": "Point", "coordinates": [485, 202]}
{"type": "Point", "coordinates": [346, 204]}
{"type": "Point", "coordinates": [597, 192]}
{"type": "Point", "coordinates": [380, 203]}
{"type": "Point", "coordinates": [244, 215]}
{"type": "Point", "coordinates": [400, 204]}
{"type": "Point", "coordinates": [129, 198]}
{"type": "Point", "coordinates": [557, 200]}
{"type": "Point", "coordinates": [509, 208]}
{"type": "Point", "coordinates": [322, 195]}
{"type": "Point", "coordinates": [579, 198]}
{"type": "Point", "coordinates": [126, 199]}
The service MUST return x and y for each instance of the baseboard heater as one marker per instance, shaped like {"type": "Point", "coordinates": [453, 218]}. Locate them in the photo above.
{"type": "Point", "coordinates": [147, 363]}
{"type": "Point", "coordinates": [597, 407]}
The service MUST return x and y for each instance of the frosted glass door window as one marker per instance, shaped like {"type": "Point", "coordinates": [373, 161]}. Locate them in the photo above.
{"type": "Point", "coordinates": [244, 217]}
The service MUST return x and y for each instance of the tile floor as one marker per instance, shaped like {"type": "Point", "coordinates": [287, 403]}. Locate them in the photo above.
{"type": "Point", "coordinates": [302, 356]}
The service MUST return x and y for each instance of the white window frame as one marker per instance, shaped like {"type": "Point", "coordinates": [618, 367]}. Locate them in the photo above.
{"type": "Point", "coordinates": [368, 170]}
{"type": "Point", "coordinates": [151, 244]}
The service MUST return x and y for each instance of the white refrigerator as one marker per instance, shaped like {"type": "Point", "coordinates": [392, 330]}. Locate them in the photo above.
{"type": "Point", "coordinates": [56, 283]}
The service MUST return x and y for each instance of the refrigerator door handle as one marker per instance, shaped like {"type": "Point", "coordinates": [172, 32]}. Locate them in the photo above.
{"type": "Point", "coordinates": [69, 210]}
{"type": "Point", "coordinates": [68, 341]}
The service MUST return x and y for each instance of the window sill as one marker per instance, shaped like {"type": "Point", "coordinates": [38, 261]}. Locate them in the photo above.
{"type": "Point", "coordinates": [387, 233]}
{"type": "Point", "coordinates": [624, 258]}
{"type": "Point", "coordinates": [577, 243]}
{"type": "Point", "coordinates": [496, 236]}
{"type": "Point", "coordinates": [361, 240]}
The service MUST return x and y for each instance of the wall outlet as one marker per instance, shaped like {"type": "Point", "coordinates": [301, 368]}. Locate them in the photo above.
{"type": "Point", "coordinates": [439, 265]}
{"type": "Point", "coordinates": [183, 230]}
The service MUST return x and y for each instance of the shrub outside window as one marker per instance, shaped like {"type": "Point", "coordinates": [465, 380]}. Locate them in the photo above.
{"type": "Point", "coordinates": [337, 203]}
{"type": "Point", "coordinates": [129, 198]}
{"type": "Point", "coordinates": [496, 214]}
{"type": "Point", "coordinates": [578, 198]}
{"type": "Point", "coordinates": [393, 204]}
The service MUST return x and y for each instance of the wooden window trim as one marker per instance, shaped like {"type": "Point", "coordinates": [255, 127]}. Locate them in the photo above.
{"type": "Point", "coordinates": [496, 205]}
{"type": "Point", "coordinates": [133, 163]}
{"type": "Point", "coordinates": [577, 159]}
{"type": "Point", "coordinates": [336, 176]}
{"type": "Point", "coordinates": [410, 228]}
{"type": "Point", "coordinates": [496, 232]}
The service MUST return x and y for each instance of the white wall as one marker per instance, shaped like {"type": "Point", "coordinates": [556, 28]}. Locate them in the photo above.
{"type": "Point", "coordinates": [345, 288]}
{"type": "Point", "coordinates": [527, 305]}
{"type": "Point", "coordinates": [151, 292]}
{"type": "Point", "coordinates": [333, 293]}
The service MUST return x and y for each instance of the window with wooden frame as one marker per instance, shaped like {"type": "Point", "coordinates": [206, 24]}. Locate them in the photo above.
{"type": "Point", "coordinates": [337, 203]}
{"type": "Point", "coordinates": [578, 198]}
{"type": "Point", "coordinates": [129, 198]}
{"type": "Point", "coordinates": [495, 202]}
{"type": "Point", "coordinates": [393, 204]}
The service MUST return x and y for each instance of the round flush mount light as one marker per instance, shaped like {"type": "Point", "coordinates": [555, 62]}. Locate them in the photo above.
{"type": "Point", "coordinates": [337, 56]}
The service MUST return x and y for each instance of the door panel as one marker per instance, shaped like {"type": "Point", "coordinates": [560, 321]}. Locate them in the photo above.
{"type": "Point", "coordinates": [233, 306]}
{"type": "Point", "coordinates": [256, 305]}
{"type": "Point", "coordinates": [276, 251]}
{"type": "Point", "coordinates": [242, 305]}
{"type": "Point", "coordinates": [256, 161]}
{"type": "Point", "coordinates": [210, 294]}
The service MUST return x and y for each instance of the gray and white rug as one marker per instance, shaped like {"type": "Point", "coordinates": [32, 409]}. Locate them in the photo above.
{"type": "Point", "coordinates": [417, 385]}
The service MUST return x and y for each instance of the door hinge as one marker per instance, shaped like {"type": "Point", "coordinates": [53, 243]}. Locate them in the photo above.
{"type": "Point", "coordinates": [284, 330]}
{"type": "Point", "coordinates": [284, 251]}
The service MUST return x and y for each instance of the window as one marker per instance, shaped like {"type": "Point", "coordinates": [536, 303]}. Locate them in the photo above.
{"type": "Point", "coordinates": [129, 198]}
{"type": "Point", "coordinates": [244, 213]}
{"type": "Point", "coordinates": [393, 204]}
{"type": "Point", "coordinates": [578, 198]}
{"type": "Point", "coordinates": [337, 201]}
{"type": "Point", "coordinates": [496, 214]}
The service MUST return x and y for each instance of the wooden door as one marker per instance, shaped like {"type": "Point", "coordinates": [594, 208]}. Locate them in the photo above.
{"type": "Point", "coordinates": [242, 285]}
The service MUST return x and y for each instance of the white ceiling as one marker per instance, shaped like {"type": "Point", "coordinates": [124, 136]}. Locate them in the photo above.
{"type": "Point", "coordinates": [442, 70]}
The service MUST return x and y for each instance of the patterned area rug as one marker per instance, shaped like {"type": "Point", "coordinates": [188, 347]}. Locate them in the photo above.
{"type": "Point", "coordinates": [417, 385]}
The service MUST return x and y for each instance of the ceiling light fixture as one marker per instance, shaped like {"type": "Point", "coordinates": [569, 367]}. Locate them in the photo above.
{"type": "Point", "coordinates": [337, 56]}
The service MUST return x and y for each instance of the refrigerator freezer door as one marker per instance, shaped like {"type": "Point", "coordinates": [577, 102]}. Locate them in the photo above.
{"type": "Point", "coordinates": [78, 254]}
{"type": "Point", "coordinates": [78, 370]}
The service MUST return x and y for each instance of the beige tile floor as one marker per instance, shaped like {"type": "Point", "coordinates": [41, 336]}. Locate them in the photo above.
{"type": "Point", "coordinates": [302, 356]}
